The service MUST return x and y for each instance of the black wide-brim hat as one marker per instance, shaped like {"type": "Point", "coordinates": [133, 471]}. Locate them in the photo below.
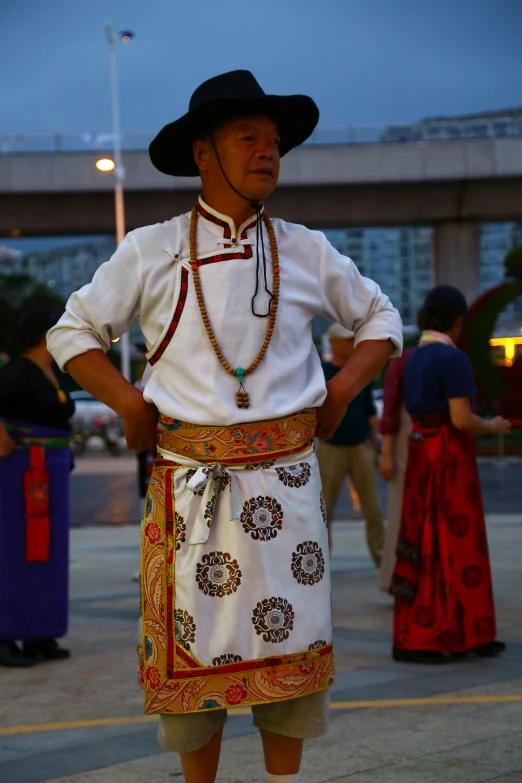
{"type": "Point", "coordinates": [223, 98]}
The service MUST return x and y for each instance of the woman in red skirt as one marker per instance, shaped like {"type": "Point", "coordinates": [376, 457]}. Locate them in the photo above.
{"type": "Point", "coordinates": [442, 579]}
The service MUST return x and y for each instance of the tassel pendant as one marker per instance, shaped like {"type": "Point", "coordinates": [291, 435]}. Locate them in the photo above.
{"type": "Point", "coordinates": [242, 396]}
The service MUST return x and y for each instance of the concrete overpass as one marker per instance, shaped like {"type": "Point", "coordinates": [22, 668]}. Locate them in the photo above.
{"type": "Point", "coordinates": [453, 186]}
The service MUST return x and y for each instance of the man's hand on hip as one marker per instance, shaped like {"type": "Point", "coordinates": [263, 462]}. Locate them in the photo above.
{"type": "Point", "coordinates": [332, 411]}
{"type": "Point", "coordinates": [139, 427]}
{"type": "Point", "coordinates": [367, 360]}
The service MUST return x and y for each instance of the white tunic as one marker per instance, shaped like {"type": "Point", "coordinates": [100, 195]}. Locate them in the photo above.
{"type": "Point", "coordinates": [145, 278]}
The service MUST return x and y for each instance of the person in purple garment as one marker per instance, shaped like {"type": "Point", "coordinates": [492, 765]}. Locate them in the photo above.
{"type": "Point", "coordinates": [35, 462]}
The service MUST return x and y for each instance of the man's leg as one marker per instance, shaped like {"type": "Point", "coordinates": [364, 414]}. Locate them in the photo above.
{"type": "Point", "coordinates": [197, 739]}
{"type": "Point", "coordinates": [201, 766]}
{"type": "Point", "coordinates": [333, 469]}
{"type": "Point", "coordinates": [364, 477]}
{"type": "Point", "coordinates": [285, 725]}
{"type": "Point", "coordinates": [282, 754]}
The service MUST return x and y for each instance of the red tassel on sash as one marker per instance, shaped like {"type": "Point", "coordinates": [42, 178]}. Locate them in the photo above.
{"type": "Point", "coordinates": [38, 522]}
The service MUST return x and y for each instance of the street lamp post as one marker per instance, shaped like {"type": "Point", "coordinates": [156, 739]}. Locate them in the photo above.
{"type": "Point", "coordinates": [119, 177]}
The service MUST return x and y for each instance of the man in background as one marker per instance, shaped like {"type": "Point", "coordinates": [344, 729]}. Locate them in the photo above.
{"type": "Point", "coordinates": [351, 451]}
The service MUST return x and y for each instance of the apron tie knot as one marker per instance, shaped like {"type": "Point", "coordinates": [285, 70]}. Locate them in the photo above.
{"type": "Point", "coordinates": [210, 481]}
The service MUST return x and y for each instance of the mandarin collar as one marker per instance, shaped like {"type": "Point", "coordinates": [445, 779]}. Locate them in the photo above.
{"type": "Point", "coordinates": [236, 232]}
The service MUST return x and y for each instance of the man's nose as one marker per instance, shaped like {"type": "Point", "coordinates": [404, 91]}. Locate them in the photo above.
{"type": "Point", "coordinates": [265, 150]}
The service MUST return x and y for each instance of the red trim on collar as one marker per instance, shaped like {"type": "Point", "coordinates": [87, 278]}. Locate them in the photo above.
{"type": "Point", "coordinates": [213, 219]}
{"type": "Point", "coordinates": [244, 232]}
{"type": "Point", "coordinates": [227, 234]}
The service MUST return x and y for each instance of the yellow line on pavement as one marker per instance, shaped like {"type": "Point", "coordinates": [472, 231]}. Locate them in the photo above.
{"type": "Point", "coordinates": [336, 705]}
{"type": "Point", "coordinates": [75, 724]}
{"type": "Point", "coordinates": [355, 705]}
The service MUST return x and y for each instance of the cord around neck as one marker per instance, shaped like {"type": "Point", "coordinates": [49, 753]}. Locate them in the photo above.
{"type": "Point", "coordinates": [256, 204]}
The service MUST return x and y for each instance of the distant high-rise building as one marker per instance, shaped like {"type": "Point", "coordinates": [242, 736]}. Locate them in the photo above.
{"type": "Point", "coordinates": [66, 269]}
{"type": "Point", "coordinates": [401, 261]}
{"type": "Point", "coordinates": [489, 124]}
{"type": "Point", "coordinates": [398, 259]}
{"type": "Point", "coordinates": [9, 260]}
{"type": "Point", "coordinates": [496, 239]}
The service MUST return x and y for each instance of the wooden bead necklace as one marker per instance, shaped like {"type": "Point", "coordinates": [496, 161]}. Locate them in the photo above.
{"type": "Point", "coordinates": [242, 396]}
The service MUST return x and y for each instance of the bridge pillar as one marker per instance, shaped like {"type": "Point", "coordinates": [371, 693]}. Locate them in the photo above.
{"type": "Point", "coordinates": [457, 256]}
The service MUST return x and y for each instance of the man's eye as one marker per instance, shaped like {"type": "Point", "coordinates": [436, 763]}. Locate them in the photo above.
{"type": "Point", "coordinates": [277, 142]}
{"type": "Point", "coordinates": [247, 138]}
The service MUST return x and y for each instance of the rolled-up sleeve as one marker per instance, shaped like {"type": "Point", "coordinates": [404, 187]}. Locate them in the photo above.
{"type": "Point", "coordinates": [356, 302]}
{"type": "Point", "coordinates": [103, 310]}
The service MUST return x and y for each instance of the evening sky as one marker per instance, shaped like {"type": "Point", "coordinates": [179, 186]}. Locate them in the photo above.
{"type": "Point", "coordinates": [364, 61]}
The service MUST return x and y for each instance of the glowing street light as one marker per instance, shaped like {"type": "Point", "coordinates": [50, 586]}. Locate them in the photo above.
{"type": "Point", "coordinates": [117, 166]}
{"type": "Point", "coordinates": [105, 164]}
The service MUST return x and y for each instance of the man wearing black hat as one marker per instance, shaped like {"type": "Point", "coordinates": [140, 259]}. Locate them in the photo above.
{"type": "Point", "coordinates": [235, 578]}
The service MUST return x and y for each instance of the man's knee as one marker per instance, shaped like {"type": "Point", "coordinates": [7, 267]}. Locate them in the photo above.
{"type": "Point", "coordinates": [185, 733]}
{"type": "Point", "coordinates": [306, 717]}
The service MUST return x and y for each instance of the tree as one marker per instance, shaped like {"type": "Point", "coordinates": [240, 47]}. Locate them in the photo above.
{"type": "Point", "coordinates": [513, 263]}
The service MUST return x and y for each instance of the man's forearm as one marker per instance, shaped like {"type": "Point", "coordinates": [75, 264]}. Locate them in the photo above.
{"type": "Point", "coordinates": [95, 373]}
{"type": "Point", "coordinates": [476, 425]}
{"type": "Point", "coordinates": [367, 360]}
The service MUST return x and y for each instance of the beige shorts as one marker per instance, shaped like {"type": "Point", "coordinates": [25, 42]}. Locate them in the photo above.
{"type": "Point", "coordinates": [302, 718]}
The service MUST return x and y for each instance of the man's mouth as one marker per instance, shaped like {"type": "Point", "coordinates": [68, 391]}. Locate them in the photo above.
{"type": "Point", "coordinates": [268, 172]}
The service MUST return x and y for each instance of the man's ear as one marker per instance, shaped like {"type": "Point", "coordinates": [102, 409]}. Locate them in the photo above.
{"type": "Point", "coordinates": [201, 151]}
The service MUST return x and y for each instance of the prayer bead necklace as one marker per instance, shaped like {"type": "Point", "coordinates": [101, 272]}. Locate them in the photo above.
{"type": "Point", "coordinates": [242, 396]}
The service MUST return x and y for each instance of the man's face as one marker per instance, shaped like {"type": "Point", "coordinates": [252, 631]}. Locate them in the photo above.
{"type": "Point", "coordinates": [248, 148]}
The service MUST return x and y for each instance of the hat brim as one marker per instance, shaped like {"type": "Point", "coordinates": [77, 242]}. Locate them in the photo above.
{"type": "Point", "coordinates": [296, 116]}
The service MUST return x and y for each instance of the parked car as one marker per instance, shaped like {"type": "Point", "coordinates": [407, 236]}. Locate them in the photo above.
{"type": "Point", "coordinates": [92, 417]}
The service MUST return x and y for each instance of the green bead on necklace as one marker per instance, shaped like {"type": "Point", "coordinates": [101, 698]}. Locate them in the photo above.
{"type": "Point", "coordinates": [242, 396]}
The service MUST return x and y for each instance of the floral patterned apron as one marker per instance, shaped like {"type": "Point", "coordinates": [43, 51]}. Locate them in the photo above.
{"type": "Point", "coordinates": [236, 597]}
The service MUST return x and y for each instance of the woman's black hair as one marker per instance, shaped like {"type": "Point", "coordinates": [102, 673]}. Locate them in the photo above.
{"type": "Point", "coordinates": [441, 308]}
{"type": "Point", "coordinates": [35, 322]}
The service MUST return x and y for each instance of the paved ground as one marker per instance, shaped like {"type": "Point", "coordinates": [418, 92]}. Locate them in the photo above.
{"type": "Point", "coordinates": [387, 725]}
{"type": "Point", "coordinates": [104, 490]}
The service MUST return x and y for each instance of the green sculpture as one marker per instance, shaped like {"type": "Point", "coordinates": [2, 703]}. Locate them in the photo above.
{"type": "Point", "coordinates": [499, 388]}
